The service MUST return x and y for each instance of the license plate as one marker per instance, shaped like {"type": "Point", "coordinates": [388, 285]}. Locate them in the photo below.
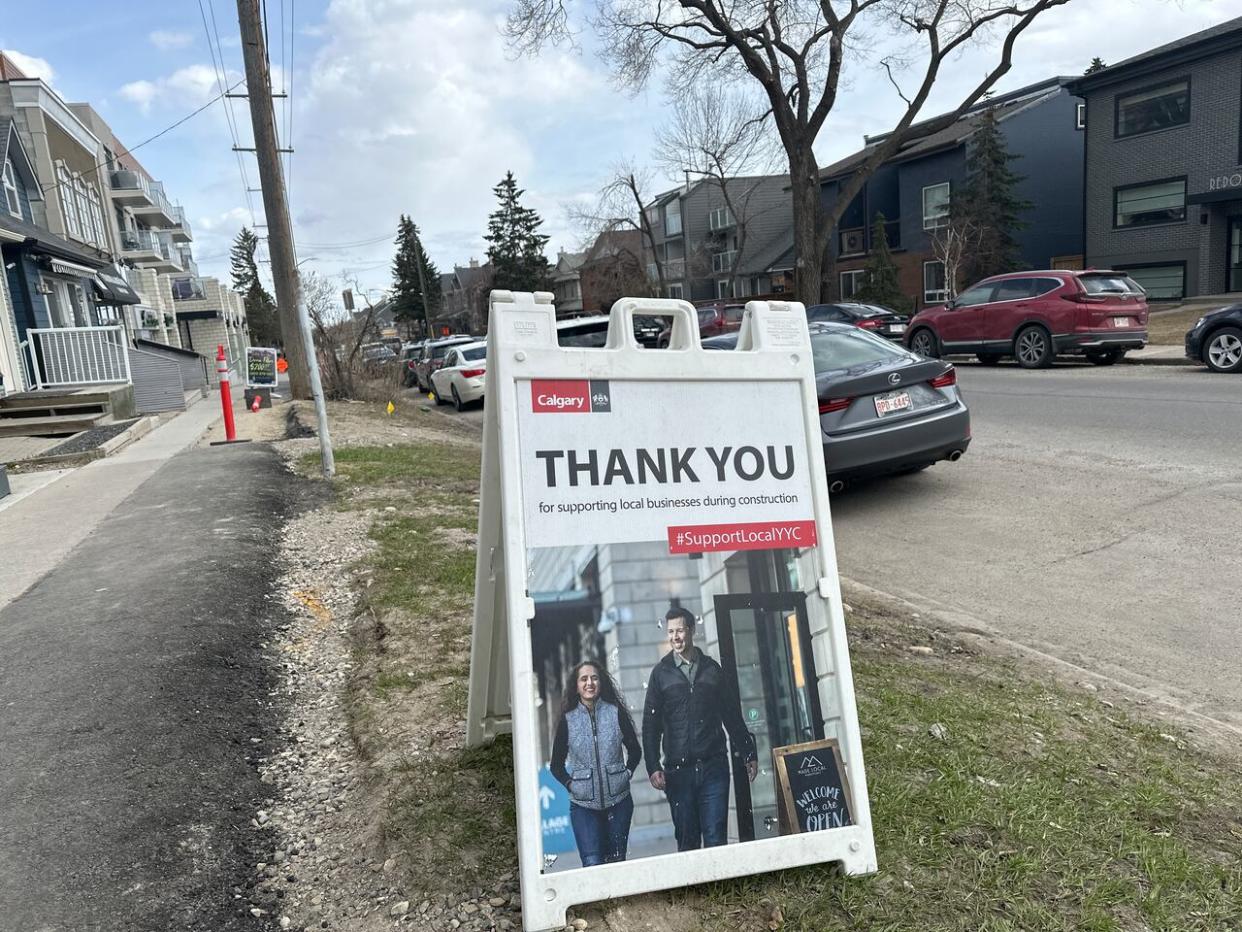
{"type": "Point", "coordinates": [1121, 321]}
{"type": "Point", "coordinates": [896, 328]}
{"type": "Point", "coordinates": [893, 401]}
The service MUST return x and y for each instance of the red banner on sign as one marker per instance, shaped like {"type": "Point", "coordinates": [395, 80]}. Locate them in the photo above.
{"type": "Point", "coordinates": [560, 396]}
{"type": "Point", "coordinates": [755, 535]}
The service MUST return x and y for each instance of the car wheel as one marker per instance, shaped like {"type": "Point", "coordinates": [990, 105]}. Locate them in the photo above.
{"type": "Point", "coordinates": [457, 402]}
{"type": "Point", "coordinates": [923, 342]}
{"type": "Point", "coordinates": [1105, 357]}
{"type": "Point", "coordinates": [989, 359]}
{"type": "Point", "coordinates": [1033, 348]}
{"type": "Point", "coordinates": [436, 395]}
{"type": "Point", "coordinates": [1224, 350]}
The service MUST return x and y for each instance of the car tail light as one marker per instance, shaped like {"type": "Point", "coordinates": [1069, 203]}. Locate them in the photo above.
{"type": "Point", "coordinates": [944, 381]}
{"type": "Point", "coordinates": [828, 405]}
{"type": "Point", "coordinates": [869, 323]}
{"type": "Point", "coordinates": [472, 373]}
{"type": "Point", "coordinates": [410, 365]}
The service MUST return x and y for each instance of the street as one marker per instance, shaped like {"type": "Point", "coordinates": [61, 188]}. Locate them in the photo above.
{"type": "Point", "coordinates": [133, 697]}
{"type": "Point", "coordinates": [1094, 518]}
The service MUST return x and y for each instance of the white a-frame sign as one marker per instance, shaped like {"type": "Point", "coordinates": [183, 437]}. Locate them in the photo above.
{"type": "Point", "coordinates": [657, 613]}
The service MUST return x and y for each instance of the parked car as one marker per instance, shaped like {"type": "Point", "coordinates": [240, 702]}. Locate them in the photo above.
{"type": "Point", "coordinates": [377, 356]}
{"type": "Point", "coordinates": [409, 358]}
{"type": "Point", "coordinates": [1216, 339]}
{"type": "Point", "coordinates": [715, 318]}
{"type": "Point", "coordinates": [881, 321]}
{"type": "Point", "coordinates": [648, 328]}
{"type": "Point", "coordinates": [460, 378]}
{"type": "Point", "coordinates": [882, 408]}
{"type": "Point", "coordinates": [583, 331]}
{"type": "Point", "coordinates": [433, 356]}
{"type": "Point", "coordinates": [1036, 316]}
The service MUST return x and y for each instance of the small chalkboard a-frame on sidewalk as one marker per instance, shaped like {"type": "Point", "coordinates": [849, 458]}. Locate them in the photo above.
{"type": "Point", "coordinates": [813, 792]}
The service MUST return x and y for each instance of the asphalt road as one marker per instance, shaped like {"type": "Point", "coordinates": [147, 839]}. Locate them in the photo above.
{"type": "Point", "coordinates": [131, 686]}
{"type": "Point", "coordinates": [1096, 517]}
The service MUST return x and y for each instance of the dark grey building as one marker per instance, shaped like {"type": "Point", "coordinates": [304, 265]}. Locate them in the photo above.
{"type": "Point", "coordinates": [915, 188]}
{"type": "Point", "coordinates": [1164, 165]}
{"type": "Point", "coordinates": [706, 252]}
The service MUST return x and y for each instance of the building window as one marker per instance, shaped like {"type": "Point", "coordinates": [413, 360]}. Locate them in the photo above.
{"type": "Point", "coordinates": [935, 205]}
{"type": "Point", "coordinates": [851, 282]}
{"type": "Point", "coordinates": [673, 291]}
{"type": "Point", "coordinates": [1080, 116]}
{"type": "Point", "coordinates": [1145, 204]}
{"type": "Point", "coordinates": [722, 288]}
{"type": "Point", "coordinates": [12, 200]}
{"type": "Point", "coordinates": [672, 218]}
{"type": "Point", "coordinates": [934, 291]}
{"type": "Point", "coordinates": [1153, 108]}
{"type": "Point", "coordinates": [1161, 282]}
{"type": "Point", "coordinates": [723, 261]}
{"type": "Point", "coordinates": [720, 219]}
{"type": "Point", "coordinates": [68, 202]}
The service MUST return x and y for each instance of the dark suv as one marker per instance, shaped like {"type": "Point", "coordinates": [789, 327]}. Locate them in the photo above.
{"type": "Point", "coordinates": [432, 358]}
{"type": "Point", "coordinates": [1036, 316]}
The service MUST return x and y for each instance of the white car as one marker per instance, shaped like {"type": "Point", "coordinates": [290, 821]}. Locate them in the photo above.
{"type": "Point", "coordinates": [460, 378]}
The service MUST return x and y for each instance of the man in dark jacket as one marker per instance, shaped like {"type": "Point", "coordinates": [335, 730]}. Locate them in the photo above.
{"type": "Point", "coordinates": [689, 707]}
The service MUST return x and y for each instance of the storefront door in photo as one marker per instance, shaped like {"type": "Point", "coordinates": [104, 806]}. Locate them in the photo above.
{"type": "Point", "coordinates": [1233, 267]}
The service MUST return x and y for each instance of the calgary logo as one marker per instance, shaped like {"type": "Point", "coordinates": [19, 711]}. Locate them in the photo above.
{"type": "Point", "coordinates": [570, 396]}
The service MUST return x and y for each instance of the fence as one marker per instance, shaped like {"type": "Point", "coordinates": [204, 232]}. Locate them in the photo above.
{"type": "Point", "coordinates": [67, 356]}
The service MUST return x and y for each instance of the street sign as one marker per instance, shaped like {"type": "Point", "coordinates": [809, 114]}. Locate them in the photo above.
{"type": "Point", "coordinates": [260, 367]}
{"type": "Point", "coordinates": [622, 485]}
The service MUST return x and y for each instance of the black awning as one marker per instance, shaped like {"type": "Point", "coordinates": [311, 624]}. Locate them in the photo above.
{"type": "Point", "coordinates": [1213, 197]}
{"type": "Point", "coordinates": [113, 288]}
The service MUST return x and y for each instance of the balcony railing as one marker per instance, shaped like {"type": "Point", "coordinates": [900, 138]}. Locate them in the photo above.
{"type": "Point", "coordinates": [674, 270]}
{"type": "Point", "coordinates": [125, 182]}
{"type": "Point", "coordinates": [181, 229]}
{"type": "Point", "coordinates": [858, 241]}
{"type": "Point", "coordinates": [188, 289]}
{"type": "Point", "coordinates": [723, 261]}
{"type": "Point", "coordinates": [139, 241]}
{"type": "Point", "coordinates": [66, 356]}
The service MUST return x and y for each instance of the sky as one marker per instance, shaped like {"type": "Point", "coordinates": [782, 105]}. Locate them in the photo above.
{"type": "Point", "coordinates": [418, 107]}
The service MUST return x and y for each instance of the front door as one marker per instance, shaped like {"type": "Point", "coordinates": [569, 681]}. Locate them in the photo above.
{"type": "Point", "coordinates": [1234, 267]}
{"type": "Point", "coordinates": [765, 651]}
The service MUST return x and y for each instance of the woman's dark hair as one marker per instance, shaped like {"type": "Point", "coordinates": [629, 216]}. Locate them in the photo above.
{"type": "Point", "coordinates": [607, 688]}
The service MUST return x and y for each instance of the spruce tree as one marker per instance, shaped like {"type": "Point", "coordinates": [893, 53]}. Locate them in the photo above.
{"type": "Point", "coordinates": [407, 291]}
{"type": "Point", "coordinates": [260, 306]}
{"type": "Point", "coordinates": [881, 286]}
{"type": "Point", "coordinates": [515, 245]}
{"type": "Point", "coordinates": [988, 202]}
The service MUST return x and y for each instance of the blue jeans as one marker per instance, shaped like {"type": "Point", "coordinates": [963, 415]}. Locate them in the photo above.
{"type": "Point", "coordinates": [602, 835]}
{"type": "Point", "coordinates": [698, 795]}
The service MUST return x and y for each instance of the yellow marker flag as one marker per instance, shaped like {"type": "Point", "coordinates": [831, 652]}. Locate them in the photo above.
{"type": "Point", "coordinates": [391, 407]}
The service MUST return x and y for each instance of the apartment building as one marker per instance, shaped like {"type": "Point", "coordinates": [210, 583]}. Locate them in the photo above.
{"type": "Point", "coordinates": [703, 249]}
{"type": "Point", "coordinates": [1164, 165]}
{"type": "Point", "coordinates": [914, 190]}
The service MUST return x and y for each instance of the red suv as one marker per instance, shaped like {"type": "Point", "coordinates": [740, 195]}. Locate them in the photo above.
{"type": "Point", "coordinates": [715, 318]}
{"type": "Point", "coordinates": [1036, 316]}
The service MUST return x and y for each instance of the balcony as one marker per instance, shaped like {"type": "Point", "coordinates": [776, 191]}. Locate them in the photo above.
{"type": "Point", "coordinates": [674, 270]}
{"type": "Point", "coordinates": [181, 228]}
{"type": "Point", "coordinates": [159, 210]}
{"type": "Point", "coordinates": [188, 289]}
{"type": "Point", "coordinates": [858, 241]}
{"type": "Point", "coordinates": [140, 245]}
{"type": "Point", "coordinates": [186, 261]}
{"type": "Point", "coordinates": [130, 189]}
{"type": "Point", "coordinates": [723, 261]}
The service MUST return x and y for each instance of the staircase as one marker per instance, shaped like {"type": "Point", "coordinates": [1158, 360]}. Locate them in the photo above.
{"type": "Point", "coordinates": [64, 412]}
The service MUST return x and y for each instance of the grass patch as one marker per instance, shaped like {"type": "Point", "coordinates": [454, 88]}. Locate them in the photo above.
{"type": "Point", "coordinates": [1043, 809]}
{"type": "Point", "coordinates": [1170, 328]}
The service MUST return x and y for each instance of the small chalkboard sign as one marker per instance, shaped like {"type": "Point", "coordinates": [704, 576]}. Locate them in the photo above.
{"type": "Point", "coordinates": [812, 791]}
{"type": "Point", "coordinates": [260, 367]}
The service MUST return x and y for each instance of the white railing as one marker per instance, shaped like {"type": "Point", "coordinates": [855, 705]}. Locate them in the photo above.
{"type": "Point", "coordinates": [67, 356]}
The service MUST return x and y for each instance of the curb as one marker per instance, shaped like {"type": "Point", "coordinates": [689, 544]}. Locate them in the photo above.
{"type": "Point", "coordinates": [1161, 361]}
{"type": "Point", "coordinates": [140, 428]}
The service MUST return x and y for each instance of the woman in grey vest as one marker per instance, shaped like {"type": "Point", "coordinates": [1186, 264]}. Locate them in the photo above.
{"type": "Point", "coordinates": [594, 753]}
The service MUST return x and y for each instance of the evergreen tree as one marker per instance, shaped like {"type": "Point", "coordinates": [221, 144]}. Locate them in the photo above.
{"type": "Point", "coordinates": [1097, 64]}
{"type": "Point", "coordinates": [987, 202]}
{"type": "Point", "coordinates": [260, 306]}
{"type": "Point", "coordinates": [407, 290]}
{"type": "Point", "coordinates": [881, 286]}
{"type": "Point", "coordinates": [515, 244]}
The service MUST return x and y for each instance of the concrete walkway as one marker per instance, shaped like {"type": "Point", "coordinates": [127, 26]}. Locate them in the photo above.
{"type": "Point", "coordinates": [38, 529]}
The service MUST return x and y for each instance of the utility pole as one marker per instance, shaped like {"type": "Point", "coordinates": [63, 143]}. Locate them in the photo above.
{"type": "Point", "coordinates": [422, 282]}
{"type": "Point", "coordinates": [275, 207]}
{"type": "Point", "coordinates": [295, 327]}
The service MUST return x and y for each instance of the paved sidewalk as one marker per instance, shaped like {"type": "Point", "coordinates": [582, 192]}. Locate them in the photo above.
{"type": "Point", "coordinates": [37, 531]}
{"type": "Point", "coordinates": [1158, 355]}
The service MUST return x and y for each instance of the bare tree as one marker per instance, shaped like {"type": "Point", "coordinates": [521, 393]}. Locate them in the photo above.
{"type": "Point", "coordinates": [339, 335]}
{"type": "Point", "coordinates": [721, 136]}
{"type": "Point", "coordinates": [795, 52]}
{"type": "Point", "coordinates": [951, 243]}
{"type": "Point", "coordinates": [622, 205]}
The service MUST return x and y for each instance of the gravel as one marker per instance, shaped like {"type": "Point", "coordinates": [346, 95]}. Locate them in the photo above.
{"type": "Point", "coordinates": [89, 439]}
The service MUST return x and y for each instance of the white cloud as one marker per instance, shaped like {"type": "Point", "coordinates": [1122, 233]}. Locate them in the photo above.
{"type": "Point", "coordinates": [190, 86]}
{"type": "Point", "coordinates": [167, 40]}
{"type": "Point", "coordinates": [31, 66]}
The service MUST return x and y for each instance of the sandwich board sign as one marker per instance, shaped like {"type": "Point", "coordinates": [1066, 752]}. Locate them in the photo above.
{"type": "Point", "coordinates": [656, 549]}
{"type": "Point", "coordinates": [260, 367]}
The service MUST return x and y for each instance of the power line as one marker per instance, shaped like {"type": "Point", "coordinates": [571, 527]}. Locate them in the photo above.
{"type": "Point", "coordinates": [220, 71]}
{"type": "Point", "coordinates": [164, 131]}
{"type": "Point", "coordinates": [351, 245]}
